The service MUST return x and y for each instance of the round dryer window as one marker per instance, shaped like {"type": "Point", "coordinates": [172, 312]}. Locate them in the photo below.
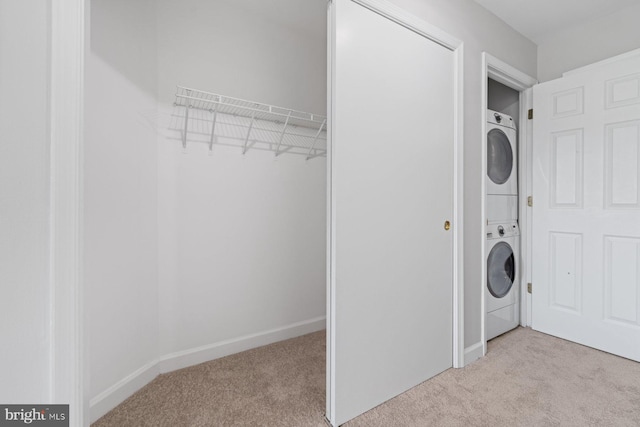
{"type": "Point", "coordinates": [501, 269]}
{"type": "Point", "coordinates": [499, 156]}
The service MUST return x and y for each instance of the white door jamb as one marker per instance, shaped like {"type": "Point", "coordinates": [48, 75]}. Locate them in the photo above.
{"type": "Point", "coordinates": [68, 379]}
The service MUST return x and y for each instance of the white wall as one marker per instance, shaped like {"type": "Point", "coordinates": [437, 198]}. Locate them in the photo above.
{"type": "Point", "coordinates": [24, 201]}
{"type": "Point", "coordinates": [242, 238]}
{"type": "Point", "coordinates": [120, 194]}
{"type": "Point", "coordinates": [590, 42]}
{"type": "Point", "coordinates": [271, 51]}
{"type": "Point", "coordinates": [480, 31]}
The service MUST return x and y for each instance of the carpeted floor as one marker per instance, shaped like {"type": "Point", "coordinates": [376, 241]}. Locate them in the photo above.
{"type": "Point", "coordinates": [526, 379]}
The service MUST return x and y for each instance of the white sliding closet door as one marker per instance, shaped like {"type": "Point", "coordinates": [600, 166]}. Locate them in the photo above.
{"type": "Point", "coordinates": [391, 191]}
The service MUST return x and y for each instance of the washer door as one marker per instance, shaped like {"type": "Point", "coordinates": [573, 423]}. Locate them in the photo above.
{"type": "Point", "coordinates": [499, 156]}
{"type": "Point", "coordinates": [501, 269]}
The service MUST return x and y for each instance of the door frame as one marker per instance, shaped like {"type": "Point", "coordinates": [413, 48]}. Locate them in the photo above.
{"type": "Point", "coordinates": [510, 76]}
{"type": "Point", "coordinates": [68, 359]}
{"type": "Point", "coordinates": [417, 25]}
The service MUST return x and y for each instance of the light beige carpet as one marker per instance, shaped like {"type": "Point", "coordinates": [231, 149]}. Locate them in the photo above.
{"type": "Point", "coordinates": [526, 379]}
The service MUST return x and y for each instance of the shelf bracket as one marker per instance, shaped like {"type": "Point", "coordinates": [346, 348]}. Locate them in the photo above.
{"type": "Point", "coordinates": [315, 139]}
{"type": "Point", "coordinates": [246, 140]}
{"type": "Point", "coordinates": [284, 129]}
{"type": "Point", "coordinates": [213, 129]}
{"type": "Point", "coordinates": [316, 154]}
{"type": "Point", "coordinates": [187, 105]}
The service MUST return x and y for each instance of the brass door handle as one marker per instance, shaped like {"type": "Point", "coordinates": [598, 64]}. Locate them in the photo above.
{"type": "Point", "coordinates": [447, 225]}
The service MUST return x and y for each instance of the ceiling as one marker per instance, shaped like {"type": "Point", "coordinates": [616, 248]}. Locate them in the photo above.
{"type": "Point", "coordinates": [538, 19]}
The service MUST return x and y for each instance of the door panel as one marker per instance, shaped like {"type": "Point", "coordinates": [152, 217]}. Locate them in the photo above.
{"type": "Point", "coordinates": [586, 212]}
{"type": "Point", "coordinates": [391, 190]}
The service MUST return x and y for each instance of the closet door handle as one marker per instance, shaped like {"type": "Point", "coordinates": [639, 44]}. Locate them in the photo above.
{"type": "Point", "coordinates": [447, 225]}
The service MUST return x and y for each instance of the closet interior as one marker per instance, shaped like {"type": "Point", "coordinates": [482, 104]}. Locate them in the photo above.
{"type": "Point", "coordinates": [205, 183]}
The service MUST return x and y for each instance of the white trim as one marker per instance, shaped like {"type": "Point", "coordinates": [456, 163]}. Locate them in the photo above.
{"type": "Point", "coordinates": [194, 356]}
{"type": "Point", "coordinates": [604, 62]}
{"type": "Point", "coordinates": [458, 210]}
{"type": "Point", "coordinates": [68, 382]}
{"type": "Point", "coordinates": [473, 352]}
{"type": "Point", "coordinates": [330, 407]}
{"type": "Point", "coordinates": [121, 390]}
{"type": "Point", "coordinates": [504, 73]}
{"type": "Point", "coordinates": [410, 21]}
{"type": "Point", "coordinates": [484, 102]}
{"type": "Point", "coordinates": [525, 135]}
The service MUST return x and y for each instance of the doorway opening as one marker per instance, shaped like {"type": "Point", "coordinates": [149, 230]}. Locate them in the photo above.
{"type": "Point", "coordinates": [507, 91]}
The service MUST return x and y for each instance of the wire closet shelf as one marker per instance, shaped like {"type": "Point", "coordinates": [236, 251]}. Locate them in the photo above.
{"type": "Point", "coordinates": [218, 119]}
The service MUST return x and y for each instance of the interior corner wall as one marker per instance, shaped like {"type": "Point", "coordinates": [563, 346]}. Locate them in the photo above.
{"type": "Point", "coordinates": [504, 99]}
{"type": "Point", "coordinates": [25, 37]}
{"type": "Point", "coordinates": [480, 31]}
{"type": "Point", "coordinates": [242, 237]}
{"type": "Point", "coordinates": [590, 42]}
{"type": "Point", "coordinates": [120, 197]}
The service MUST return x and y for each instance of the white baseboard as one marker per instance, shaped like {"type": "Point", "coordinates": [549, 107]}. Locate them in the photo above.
{"type": "Point", "coordinates": [194, 356]}
{"type": "Point", "coordinates": [472, 353]}
{"type": "Point", "coordinates": [117, 393]}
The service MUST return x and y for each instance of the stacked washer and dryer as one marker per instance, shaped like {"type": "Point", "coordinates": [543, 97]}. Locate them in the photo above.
{"type": "Point", "coordinates": [502, 294]}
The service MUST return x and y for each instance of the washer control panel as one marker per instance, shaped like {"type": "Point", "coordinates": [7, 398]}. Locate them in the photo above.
{"type": "Point", "coordinates": [503, 230]}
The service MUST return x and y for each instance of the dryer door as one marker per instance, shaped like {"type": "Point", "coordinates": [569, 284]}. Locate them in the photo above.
{"type": "Point", "coordinates": [499, 156]}
{"type": "Point", "coordinates": [501, 269]}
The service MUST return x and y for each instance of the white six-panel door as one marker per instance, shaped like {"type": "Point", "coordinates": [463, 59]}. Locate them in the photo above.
{"type": "Point", "coordinates": [391, 191]}
{"type": "Point", "coordinates": [586, 210]}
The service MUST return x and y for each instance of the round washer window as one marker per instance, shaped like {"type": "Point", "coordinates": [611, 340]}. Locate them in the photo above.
{"type": "Point", "coordinates": [499, 156]}
{"type": "Point", "coordinates": [501, 270]}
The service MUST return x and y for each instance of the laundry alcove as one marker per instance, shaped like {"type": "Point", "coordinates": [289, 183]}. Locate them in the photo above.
{"type": "Point", "coordinates": [505, 272]}
{"type": "Point", "coordinates": [193, 251]}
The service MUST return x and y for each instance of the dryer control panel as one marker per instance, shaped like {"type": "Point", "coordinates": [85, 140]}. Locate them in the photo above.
{"type": "Point", "coordinates": [500, 119]}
